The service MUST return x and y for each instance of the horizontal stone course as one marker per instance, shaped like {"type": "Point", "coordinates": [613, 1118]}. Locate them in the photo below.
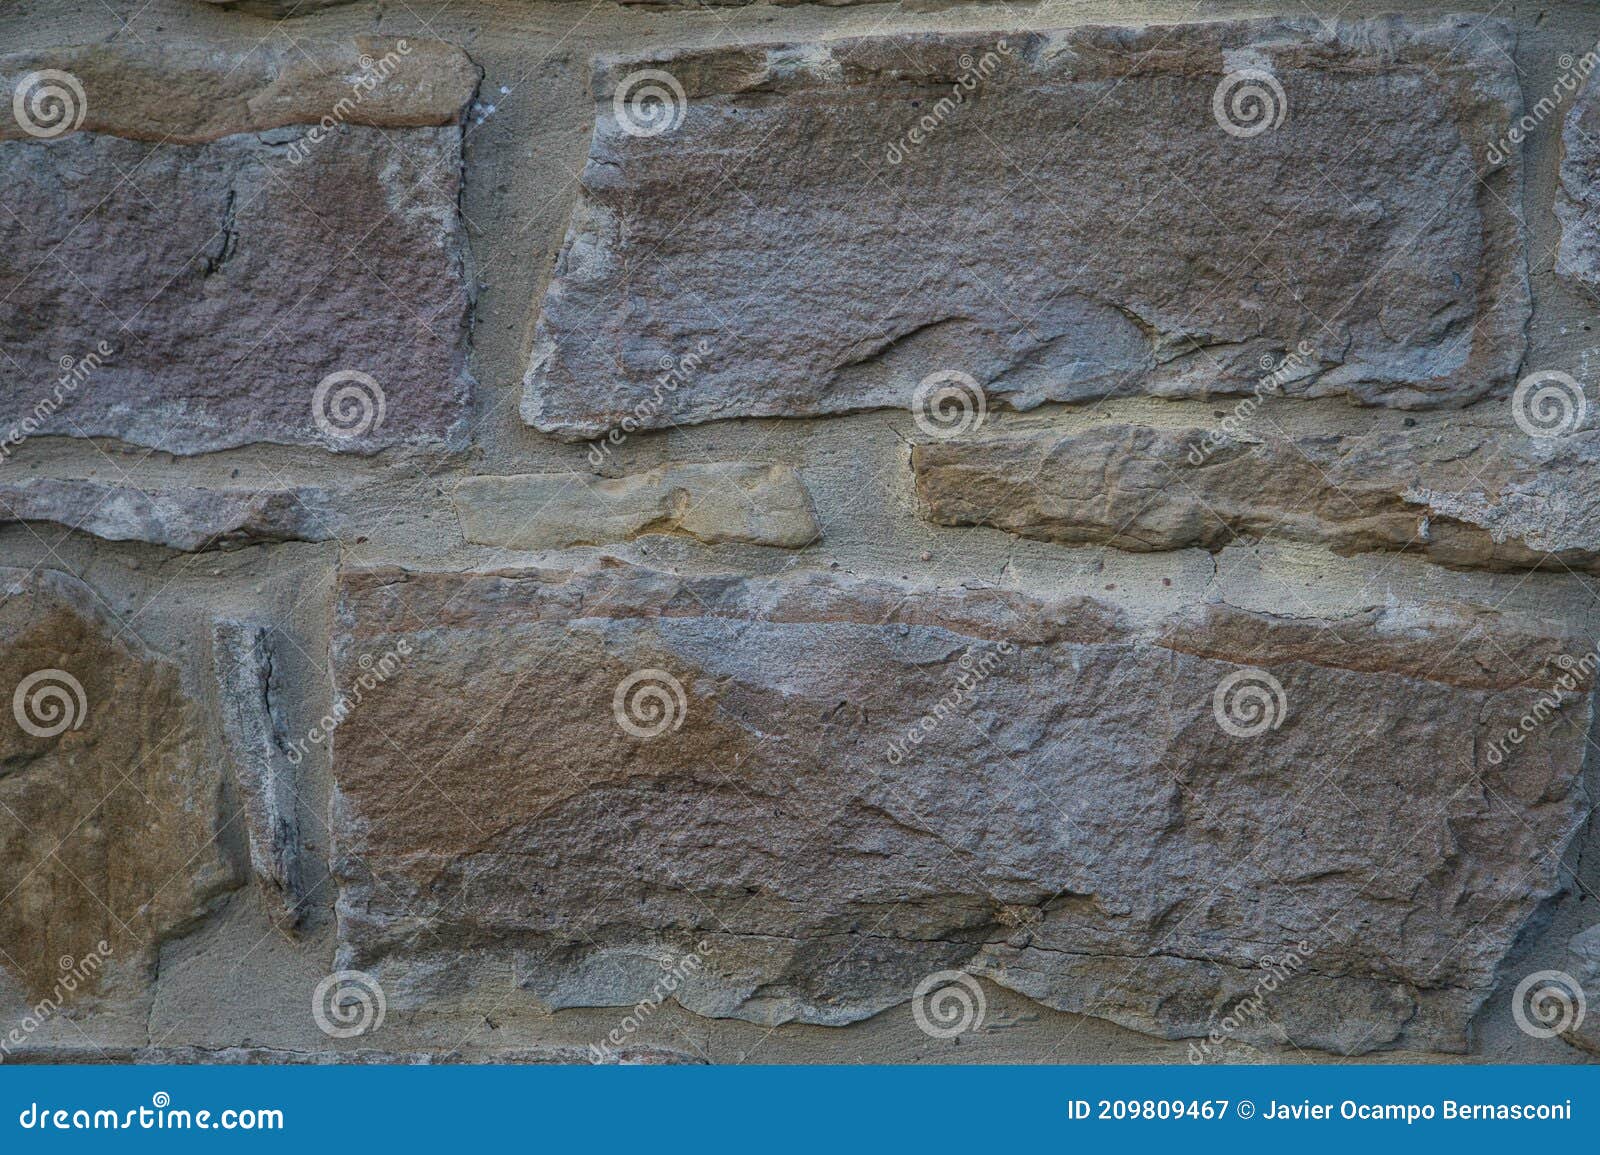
{"type": "Point", "coordinates": [1463, 497]}
{"type": "Point", "coordinates": [1071, 821]}
{"type": "Point", "coordinates": [1075, 222]}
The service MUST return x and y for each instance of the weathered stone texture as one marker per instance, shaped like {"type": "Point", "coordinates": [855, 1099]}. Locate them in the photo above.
{"type": "Point", "coordinates": [1496, 500]}
{"type": "Point", "coordinates": [248, 695]}
{"type": "Point", "coordinates": [1577, 202]}
{"type": "Point", "coordinates": [724, 501]}
{"type": "Point", "coordinates": [232, 276]}
{"type": "Point", "coordinates": [110, 830]}
{"type": "Point", "coordinates": [1074, 824]}
{"type": "Point", "coordinates": [1149, 251]}
{"type": "Point", "coordinates": [181, 517]}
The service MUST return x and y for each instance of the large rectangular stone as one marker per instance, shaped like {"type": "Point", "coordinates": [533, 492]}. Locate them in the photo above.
{"type": "Point", "coordinates": [281, 260]}
{"type": "Point", "coordinates": [1060, 216]}
{"type": "Point", "coordinates": [841, 785]}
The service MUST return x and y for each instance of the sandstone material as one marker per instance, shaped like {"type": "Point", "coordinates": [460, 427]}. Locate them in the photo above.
{"type": "Point", "coordinates": [1077, 225]}
{"type": "Point", "coordinates": [181, 517]}
{"type": "Point", "coordinates": [548, 1055]}
{"type": "Point", "coordinates": [1497, 500]}
{"type": "Point", "coordinates": [189, 93]}
{"type": "Point", "coordinates": [853, 783]}
{"type": "Point", "coordinates": [1577, 202]}
{"type": "Point", "coordinates": [247, 696]}
{"type": "Point", "coordinates": [229, 280]}
{"type": "Point", "coordinates": [715, 502]}
{"type": "Point", "coordinates": [111, 826]}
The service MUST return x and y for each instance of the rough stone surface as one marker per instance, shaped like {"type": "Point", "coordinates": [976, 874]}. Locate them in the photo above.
{"type": "Point", "coordinates": [188, 93]}
{"type": "Point", "coordinates": [715, 502]}
{"type": "Point", "coordinates": [1578, 201]}
{"type": "Point", "coordinates": [1486, 499]}
{"type": "Point", "coordinates": [1076, 825]}
{"type": "Point", "coordinates": [229, 278]}
{"type": "Point", "coordinates": [824, 278]}
{"type": "Point", "coordinates": [242, 654]}
{"type": "Point", "coordinates": [111, 830]}
{"type": "Point", "coordinates": [183, 517]}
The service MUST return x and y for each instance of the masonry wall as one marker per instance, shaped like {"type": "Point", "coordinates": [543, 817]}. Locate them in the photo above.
{"type": "Point", "coordinates": [539, 532]}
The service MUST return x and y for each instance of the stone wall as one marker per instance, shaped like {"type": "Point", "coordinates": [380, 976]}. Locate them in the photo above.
{"type": "Point", "coordinates": [947, 532]}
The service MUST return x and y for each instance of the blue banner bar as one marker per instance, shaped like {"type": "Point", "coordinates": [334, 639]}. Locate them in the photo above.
{"type": "Point", "coordinates": [819, 1110]}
